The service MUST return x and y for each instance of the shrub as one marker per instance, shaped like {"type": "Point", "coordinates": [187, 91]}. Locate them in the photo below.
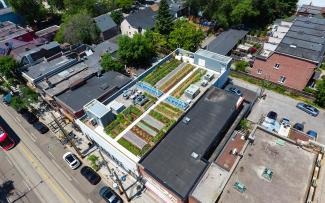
{"type": "Point", "coordinates": [241, 65]}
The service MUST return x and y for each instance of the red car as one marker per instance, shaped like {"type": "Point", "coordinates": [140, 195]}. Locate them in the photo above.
{"type": "Point", "coordinates": [6, 142]}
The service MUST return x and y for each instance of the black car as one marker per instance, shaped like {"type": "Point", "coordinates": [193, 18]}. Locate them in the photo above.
{"type": "Point", "coordinates": [40, 127]}
{"type": "Point", "coordinates": [272, 115]}
{"type": "Point", "coordinates": [29, 117]}
{"type": "Point", "coordinates": [299, 126]}
{"type": "Point", "coordinates": [109, 195]}
{"type": "Point", "coordinates": [90, 175]}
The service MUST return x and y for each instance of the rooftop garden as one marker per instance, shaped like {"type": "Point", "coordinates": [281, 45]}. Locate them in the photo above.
{"type": "Point", "coordinates": [132, 148]}
{"type": "Point", "coordinates": [195, 77]}
{"type": "Point", "coordinates": [161, 71]}
{"type": "Point", "coordinates": [122, 120]}
{"type": "Point", "coordinates": [151, 101]}
{"type": "Point", "coordinates": [176, 78]}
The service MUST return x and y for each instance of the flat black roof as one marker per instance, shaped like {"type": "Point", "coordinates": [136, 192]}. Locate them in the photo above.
{"type": "Point", "coordinates": [226, 41]}
{"type": "Point", "coordinates": [92, 88]}
{"type": "Point", "coordinates": [171, 163]}
{"type": "Point", "coordinates": [305, 39]}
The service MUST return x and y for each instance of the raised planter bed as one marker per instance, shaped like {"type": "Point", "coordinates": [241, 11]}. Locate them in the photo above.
{"type": "Point", "coordinates": [195, 77]}
{"type": "Point", "coordinates": [161, 71]}
{"type": "Point", "coordinates": [176, 78]}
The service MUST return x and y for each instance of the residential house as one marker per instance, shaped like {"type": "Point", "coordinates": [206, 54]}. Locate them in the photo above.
{"type": "Point", "coordinates": [296, 57]}
{"type": "Point", "coordinates": [177, 8]}
{"type": "Point", "coordinates": [311, 11]}
{"type": "Point", "coordinates": [138, 22]}
{"type": "Point", "coordinates": [106, 26]}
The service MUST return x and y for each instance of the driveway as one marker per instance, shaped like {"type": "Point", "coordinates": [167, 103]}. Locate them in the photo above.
{"type": "Point", "coordinates": [286, 107]}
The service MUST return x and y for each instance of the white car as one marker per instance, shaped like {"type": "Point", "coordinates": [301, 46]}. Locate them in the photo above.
{"type": "Point", "coordinates": [71, 160]}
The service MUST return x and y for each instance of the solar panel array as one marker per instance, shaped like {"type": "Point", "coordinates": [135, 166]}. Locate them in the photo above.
{"type": "Point", "coordinates": [151, 90]}
{"type": "Point", "coordinates": [305, 39]}
{"type": "Point", "coordinates": [177, 103]}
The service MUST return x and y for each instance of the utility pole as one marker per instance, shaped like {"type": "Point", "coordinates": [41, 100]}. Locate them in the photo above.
{"type": "Point", "coordinates": [65, 134]}
{"type": "Point", "coordinates": [121, 188]}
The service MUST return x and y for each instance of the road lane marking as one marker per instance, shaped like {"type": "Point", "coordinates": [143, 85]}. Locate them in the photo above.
{"type": "Point", "coordinates": [33, 136]}
{"type": "Point", "coordinates": [90, 201]}
{"type": "Point", "coordinates": [59, 168]}
{"type": "Point", "coordinates": [45, 175]}
{"type": "Point", "coordinates": [50, 153]}
{"type": "Point", "coordinates": [27, 186]}
{"type": "Point", "coordinates": [9, 161]}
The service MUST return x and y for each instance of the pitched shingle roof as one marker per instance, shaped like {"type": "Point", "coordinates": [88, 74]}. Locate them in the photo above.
{"type": "Point", "coordinates": [104, 22]}
{"type": "Point", "coordinates": [144, 18]}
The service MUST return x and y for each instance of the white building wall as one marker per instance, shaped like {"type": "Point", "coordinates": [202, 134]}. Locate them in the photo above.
{"type": "Point", "coordinates": [127, 29]}
{"type": "Point", "coordinates": [274, 40]}
{"type": "Point", "coordinates": [283, 29]}
{"type": "Point", "coordinates": [126, 162]}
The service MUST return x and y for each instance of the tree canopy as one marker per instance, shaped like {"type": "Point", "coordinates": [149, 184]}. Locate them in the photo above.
{"type": "Point", "coordinates": [32, 10]}
{"type": "Point", "coordinates": [117, 16]}
{"type": "Point", "coordinates": [78, 28]}
{"type": "Point", "coordinates": [164, 20]}
{"type": "Point", "coordinates": [108, 63]}
{"type": "Point", "coordinates": [320, 95]}
{"type": "Point", "coordinates": [124, 4]}
{"type": "Point", "coordinates": [7, 66]}
{"type": "Point", "coordinates": [252, 13]}
{"type": "Point", "coordinates": [135, 51]}
{"type": "Point", "coordinates": [185, 35]}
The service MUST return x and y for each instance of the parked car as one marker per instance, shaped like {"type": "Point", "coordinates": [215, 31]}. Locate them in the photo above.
{"type": "Point", "coordinates": [299, 126]}
{"type": "Point", "coordinates": [312, 134]}
{"type": "Point", "coordinates": [90, 175]}
{"type": "Point", "coordinates": [285, 122]}
{"type": "Point", "coordinates": [71, 160]}
{"type": "Point", "coordinates": [109, 195]}
{"type": "Point", "coordinates": [271, 117]}
{"type": "Point", "coordinates": [29, 117]}
{"type": "Point", "coordinates": [40, 127]}
{"type": "Point", "coordinates": [308, 109]}
{"type": "Point", "coordinates": [126, 94]}
{"type": "Point", "coordinates": [235, 91]}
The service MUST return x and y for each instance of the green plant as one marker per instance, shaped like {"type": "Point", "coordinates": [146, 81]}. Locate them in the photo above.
{"type": "Point", "coordinates": [129, 146]}
{"type": "Point", "coordinates": [241, 65]}
{"type": "Point", "coordinates": [93, 161]}
{"type": "Point", "coordinates": [244, 125]}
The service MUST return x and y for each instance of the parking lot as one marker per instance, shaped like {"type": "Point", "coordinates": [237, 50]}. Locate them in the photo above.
{"type": "Point", "coordinates": [286, 107]}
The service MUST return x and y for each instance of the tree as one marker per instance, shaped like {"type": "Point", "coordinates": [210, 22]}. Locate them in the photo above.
{"type": "Point", "coordinates": [125, 5]}
{"type": "Point", "coordinates": [117, 16]}
{"type": "Point", "coordinates": [78, 28]}
{"type": "Point", "coordinates": [57, 4]}
{"type": "Point", "coordinates": [8, 66]}
{"type": "Point", "coordinates": [108, 63]}
{"type": "Point", "coordinates": [135, 51]}
{"type": "Point", "coordinates": [18, 103]}
{"type": "Point", "coordinates": [32, 10]}
{"type": "Point", "coordinates": [158, 41]}
{"type": "Point", "coordinates": [320, 95]}
{"type": "Point", "coordinates": [164, 20]}
{"type": "Point", "coordinates": [185, 35]}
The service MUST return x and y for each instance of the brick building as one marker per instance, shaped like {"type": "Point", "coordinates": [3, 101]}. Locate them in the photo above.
{"type": "Point", "coordinates": [297, 56]}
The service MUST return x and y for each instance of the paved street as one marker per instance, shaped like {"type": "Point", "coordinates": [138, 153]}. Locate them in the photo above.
{"type": "Point", "coordinates": [285, 107]}
{"type": "Point", "coordinates": [42, 167]}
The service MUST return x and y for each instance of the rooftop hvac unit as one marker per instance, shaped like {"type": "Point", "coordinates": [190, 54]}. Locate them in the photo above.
{"type": "Point", "coordinates": [234, 151]}
{"type": "Point", "coordinates": [194, 155]}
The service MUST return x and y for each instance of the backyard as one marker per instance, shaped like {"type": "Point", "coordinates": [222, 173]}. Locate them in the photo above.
{"type": "Point", "coordinates": [161, 71]}
{"type": "Point", "coordinates": [195, 77]}
{"type": "Point", "coordinates": [122, 121]}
